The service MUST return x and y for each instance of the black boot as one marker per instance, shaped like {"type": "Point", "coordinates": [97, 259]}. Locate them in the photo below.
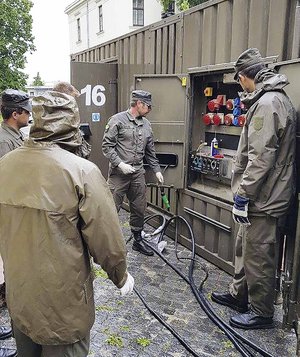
{"type": "Point", "coordinates": [227, 299]}
{"type": "Point", "coordinates": [139, 245]}
{"type": "Point", "coordinates": [251, 321]}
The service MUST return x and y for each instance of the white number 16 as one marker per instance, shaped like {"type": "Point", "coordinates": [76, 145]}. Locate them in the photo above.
{"type": "Point", "coordinates": [94, 95]}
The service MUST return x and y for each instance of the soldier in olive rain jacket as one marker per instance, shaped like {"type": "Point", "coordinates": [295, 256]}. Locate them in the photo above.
{"type": "Point", "coordinates": [55, 211]}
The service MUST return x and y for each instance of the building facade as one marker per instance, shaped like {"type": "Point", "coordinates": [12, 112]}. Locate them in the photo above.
{"type": "Point", "coordinates": [93, 22]}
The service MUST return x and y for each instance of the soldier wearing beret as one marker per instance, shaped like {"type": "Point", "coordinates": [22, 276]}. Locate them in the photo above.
{"type": "Point", "coordinates": [128, 138]}
{"type": "Point", "coordinates": [263, 184]}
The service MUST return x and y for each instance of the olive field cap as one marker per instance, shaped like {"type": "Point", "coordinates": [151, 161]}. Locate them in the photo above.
{"type": "Point", "coordinates": [247, 59]}
{"type": "Point", "coordinates": [12, 98]}
{"type": "Point", "coordinates": [142, 95]}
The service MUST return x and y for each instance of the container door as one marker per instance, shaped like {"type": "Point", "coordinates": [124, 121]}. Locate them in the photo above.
{"type": "Point", "coordinates": [97, 83]}
{"type": "Point", "coordinates": [168, 123]}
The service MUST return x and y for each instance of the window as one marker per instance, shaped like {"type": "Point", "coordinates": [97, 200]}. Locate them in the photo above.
{"type": "Point", "coordinates": [100, 18]}
{"type": "Point", "coordinates": [138, 12]}
{"type": "Point", "coordinates": [78, 31]}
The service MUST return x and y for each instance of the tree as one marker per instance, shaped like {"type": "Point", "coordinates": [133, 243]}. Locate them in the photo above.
{"type": "Point", "coordinates": [37, 81]}
{"type": "Point", "coordinates": [16, 39]}
{"type": "Point", "coordinates": [165, 4]}
{"type": "Point", "coordinates": [186, 4]}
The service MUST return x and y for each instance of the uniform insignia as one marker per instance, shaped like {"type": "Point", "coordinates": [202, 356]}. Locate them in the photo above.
{"type": "Point", "coordinates": [106, 127]}
{"type": "Point", "coordinates": [258, 123]}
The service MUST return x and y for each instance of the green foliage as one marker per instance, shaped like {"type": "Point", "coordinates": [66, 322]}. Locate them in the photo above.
{"type": "Point", "coordinates": [143, 341]}
{"type": "Point", "coordinates": [100, 273]}
{"type": "Point", "coordinates": [165, 4]}
{"type": "Point", "coordinates": [104, 308]}
{"type": "Point", "coordinates": [115, 340]}
{"type": "Point", "coordinates": [37, 80]}
{"type": "Point", "coordinates": [125, 328]}
{"type": "Point", "coordinates": [16, 39]}
{"type": "Point", "coordinates": [228, 344]}
{"type": "Point", "coordinates": [186, 4]}
{"type": "Point", "coordinates": [183, 5]}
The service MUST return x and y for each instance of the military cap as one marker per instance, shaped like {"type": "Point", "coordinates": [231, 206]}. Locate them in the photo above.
{"type": "Point", "coordinates": [12, 98]}
{"type": "Point", "coordinates": [248, 58]}
{"type": "Point", "coordinates": [142, 95]}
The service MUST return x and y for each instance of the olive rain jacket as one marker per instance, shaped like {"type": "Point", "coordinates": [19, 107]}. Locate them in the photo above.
{"type": "Point", "coordinates": [264, 169]}
{"type": "Point", "coordinates": [55, 211]}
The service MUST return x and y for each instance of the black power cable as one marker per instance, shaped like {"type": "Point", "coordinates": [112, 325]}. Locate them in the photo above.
{"type": "Point", "coordinates": [163, 322]}
{"type": "Point", "coordinates": [237, 339]}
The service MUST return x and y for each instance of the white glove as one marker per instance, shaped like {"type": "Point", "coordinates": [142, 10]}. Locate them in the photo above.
{"type": "Point", "coordinates": [128, 286]}
{"type": "Point", "coordinates": [160, 177]}
{"type": "Point", "coordinates": [125, 168]}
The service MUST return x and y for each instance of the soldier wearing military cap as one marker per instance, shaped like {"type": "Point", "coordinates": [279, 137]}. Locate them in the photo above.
{"type": "Point", "coordinates": [15, 110]}
{"type": "Point", "coordinates": [128, 138]}
{"type": "Point", "coordinates": [263, 185]}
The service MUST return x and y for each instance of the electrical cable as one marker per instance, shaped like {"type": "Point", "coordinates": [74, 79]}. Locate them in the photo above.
{"type": "Point", "coordinates": [163, 322]}
{"type": "Point", "coordinates": [238, 340]}
{"type": "Point", "coordinates": [238, 345]}
{"type": "Point", "coordinates": [227, 329]}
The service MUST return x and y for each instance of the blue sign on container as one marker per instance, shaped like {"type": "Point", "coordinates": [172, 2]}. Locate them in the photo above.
{"type": "Point", "coordinates": [96, 117]}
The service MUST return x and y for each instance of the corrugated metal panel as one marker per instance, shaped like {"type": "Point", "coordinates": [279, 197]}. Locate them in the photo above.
{"type": "Point", "coordinates": [224, 32]}
{"type": "Point", "coordinates": [215, 32]}
{"type": "Point", "coordinates": [212, 225]}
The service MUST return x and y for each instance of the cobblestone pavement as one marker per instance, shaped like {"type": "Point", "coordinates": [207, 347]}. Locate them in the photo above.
{"type": "Point", "coordinates": [125, 328]}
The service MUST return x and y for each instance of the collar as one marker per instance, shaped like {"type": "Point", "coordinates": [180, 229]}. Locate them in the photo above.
{"type": "Point", "coordinates": [12, 131]}
{"type": "Point", "coordinates": [132, 118]}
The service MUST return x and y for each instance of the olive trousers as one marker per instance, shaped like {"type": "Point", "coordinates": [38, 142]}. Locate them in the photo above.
{"type": "Point", "coordinates": [255, 265]}
{"type": "Point", "coordinates": [134, 187]}
{"type": "Point", "coordinates": [27, 348]}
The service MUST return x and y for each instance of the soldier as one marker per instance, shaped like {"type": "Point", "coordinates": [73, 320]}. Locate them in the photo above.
{"type": "Point", "coordinates": [15, 110]}
{"type": "Point", "coordinates": [128, 138]}
{"type": "Point", "coordinates": [263, 185]}
{"type": "Point", "coordinates": [56, 211]}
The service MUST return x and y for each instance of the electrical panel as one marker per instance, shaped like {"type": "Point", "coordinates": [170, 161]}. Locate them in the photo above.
{"type": "Point", "coordinates": [217, 117]}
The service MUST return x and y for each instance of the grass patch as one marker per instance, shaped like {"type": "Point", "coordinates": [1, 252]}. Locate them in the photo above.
{"type": "Point", "coordinates": [143, 341]}
{"type": "Point", "coordinates": [126, 225]}
{"type": "Point", "coordinates": [104, 308]}
{"type": "Point", "coordinates": [100, 273]}
{"type": "Point", "coordinates": [228, 344]}
{"type": "Point", "coordinates": [115, 340]}
{"type": "Point", "coordinates": [125, 328]}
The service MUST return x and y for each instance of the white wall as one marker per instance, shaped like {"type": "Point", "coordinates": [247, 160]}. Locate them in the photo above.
{"type": "Point", "coordinates": [117, 20]}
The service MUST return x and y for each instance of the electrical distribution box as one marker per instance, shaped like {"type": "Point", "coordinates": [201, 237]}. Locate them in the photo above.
{"type": "Point", "coordinates": [217, 117]}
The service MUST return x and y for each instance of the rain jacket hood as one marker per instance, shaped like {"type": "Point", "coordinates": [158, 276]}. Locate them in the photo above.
{"type": "Point", "coordinates": [56, 119]}
{"type": "Point", "coordinates": [266, 80]}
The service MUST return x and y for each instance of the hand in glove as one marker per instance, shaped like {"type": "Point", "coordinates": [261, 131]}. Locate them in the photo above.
{"type": "Point", "coordinates": [240, 210]}
{"type": "Point", "coordinates": [125, 168]}
{"type": "Point", "coordinates": [160, 177]}
{"type": "Point", "coordinates": [128, 286]}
